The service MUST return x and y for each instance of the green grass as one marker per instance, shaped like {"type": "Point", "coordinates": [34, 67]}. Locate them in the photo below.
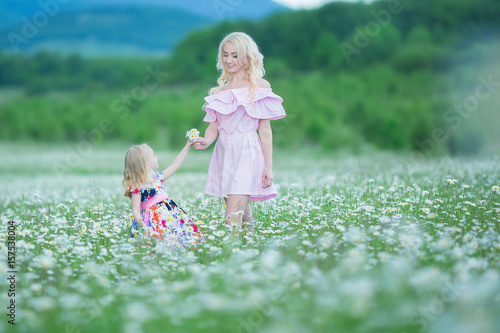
{"type": "Point", "coordinates": [351, 244]}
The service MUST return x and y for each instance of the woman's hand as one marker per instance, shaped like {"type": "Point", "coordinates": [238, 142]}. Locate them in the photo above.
{"type": "Point", "coordinates": [267, 177]}
{"type": "Point", "coordinates": [201, 143]}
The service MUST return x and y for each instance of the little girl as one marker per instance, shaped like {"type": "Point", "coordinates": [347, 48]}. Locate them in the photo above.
{"type": "Point", "coordinates": [160, 216]}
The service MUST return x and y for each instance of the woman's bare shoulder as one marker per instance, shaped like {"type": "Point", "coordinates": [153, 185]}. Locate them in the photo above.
{"type": "Point", "coordinates": [262, 83]}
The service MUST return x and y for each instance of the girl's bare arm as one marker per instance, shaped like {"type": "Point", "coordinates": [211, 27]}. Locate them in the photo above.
{"type": "Point", "coordinates": [136, 209]}
{"type": "Point", "coordinates": [179, 159]}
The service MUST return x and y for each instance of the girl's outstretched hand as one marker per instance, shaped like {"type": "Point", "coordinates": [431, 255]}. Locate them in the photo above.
{"type": "Point", "coordinates": [267, 177]}
{"type": "Point", "coordinates": [201, 143]}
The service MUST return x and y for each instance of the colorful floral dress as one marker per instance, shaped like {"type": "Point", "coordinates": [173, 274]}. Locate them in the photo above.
{"type": "Point", "coordinates": [169, 222]}
{"type": "Point", "coordinates": [238, 161]}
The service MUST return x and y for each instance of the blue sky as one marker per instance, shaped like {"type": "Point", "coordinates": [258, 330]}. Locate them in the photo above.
{"type": "Point", "coordinates": [308, 4]}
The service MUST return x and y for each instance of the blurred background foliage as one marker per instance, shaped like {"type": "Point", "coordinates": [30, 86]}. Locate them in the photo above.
{"type": "Point", "coordinates": [390, 94]}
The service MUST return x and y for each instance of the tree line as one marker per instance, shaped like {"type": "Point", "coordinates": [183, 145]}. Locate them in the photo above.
{"type": "Point", "coordinates": [350, 74]}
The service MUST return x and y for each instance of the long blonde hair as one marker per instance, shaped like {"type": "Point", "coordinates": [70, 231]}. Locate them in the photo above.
{"type": "Point", "coordinates": [136, 171]}
{"type": "Point", "coordinates": [248, 54]}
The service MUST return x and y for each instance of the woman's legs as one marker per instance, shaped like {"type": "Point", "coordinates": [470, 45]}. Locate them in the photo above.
{"type": "Point", "coordinates": [248, 218]}
{"type": "Point", "coordinates": [237, 207]}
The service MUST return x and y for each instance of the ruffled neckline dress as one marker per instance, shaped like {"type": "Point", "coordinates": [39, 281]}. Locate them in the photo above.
{"type": "Point", "coordinates": [237, 161]}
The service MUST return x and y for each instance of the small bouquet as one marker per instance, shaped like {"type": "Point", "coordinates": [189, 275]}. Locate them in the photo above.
{"type": "Point", "coordinates": [193, 134]}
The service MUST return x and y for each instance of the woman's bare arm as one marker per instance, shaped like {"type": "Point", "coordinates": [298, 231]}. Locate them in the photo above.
{"type": "Point", "coordinates": [266, 139]}
{"type": "Point", "coordinates": [210, 135]}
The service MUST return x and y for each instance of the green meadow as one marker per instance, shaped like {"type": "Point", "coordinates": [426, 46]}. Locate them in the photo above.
{"type": "Point", "coordinates": [351, 244]}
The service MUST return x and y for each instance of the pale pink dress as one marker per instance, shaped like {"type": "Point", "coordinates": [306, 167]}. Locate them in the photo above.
{"type": "Point", "coordinates": [237, 161]}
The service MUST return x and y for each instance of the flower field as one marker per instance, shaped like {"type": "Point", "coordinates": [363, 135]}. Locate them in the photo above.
{"type": "Point", "coordinates": [350, 244]}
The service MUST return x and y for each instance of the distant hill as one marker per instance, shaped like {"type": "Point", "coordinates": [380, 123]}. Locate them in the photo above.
{"type": "Point", "coordinates": [12, 10]}
{"type": "Point", "coordinates": [110, 31]}
{"type": "Point", "coordinates": [116, 27]}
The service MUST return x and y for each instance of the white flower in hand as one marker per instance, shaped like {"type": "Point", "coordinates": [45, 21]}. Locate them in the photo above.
{"type": "Point", "coordinates": [193, 134]}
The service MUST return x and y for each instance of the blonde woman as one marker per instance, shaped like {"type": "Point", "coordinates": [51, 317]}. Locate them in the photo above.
{"type": "Point", "coordinates": [242, 104]}
{"type": "Point", "coordinates": [160, 216]}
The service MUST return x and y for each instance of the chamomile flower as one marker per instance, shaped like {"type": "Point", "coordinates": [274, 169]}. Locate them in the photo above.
{"type": "Point", "coordinates": [36, 287]}
{"type": "Point", "coordinates": [46, 262]}
{"type": "Point", "coordinates": [193, 134]}
{"type": "Point", "coordinates": [384, 219]}
{"type": "Point", "coordinates": [157, 281]}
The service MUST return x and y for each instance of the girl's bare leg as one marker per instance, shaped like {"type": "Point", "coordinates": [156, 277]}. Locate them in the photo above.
{"type": "Point", "coordinates": [236, 205]}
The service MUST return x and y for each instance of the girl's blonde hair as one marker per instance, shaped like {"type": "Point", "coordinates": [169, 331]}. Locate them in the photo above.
{"type": "Point", "coordinates": [248, 54]}
{"type": "Point", "coordinates": [136, 171]}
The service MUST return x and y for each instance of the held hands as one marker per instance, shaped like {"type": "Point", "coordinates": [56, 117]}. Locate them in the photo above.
{"type": "Point", "coordinates": [267, 177]}
{"type": "Point", "coordinates": [195, 140]}
{"type": "Point", "coordinates": [201, 143]}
